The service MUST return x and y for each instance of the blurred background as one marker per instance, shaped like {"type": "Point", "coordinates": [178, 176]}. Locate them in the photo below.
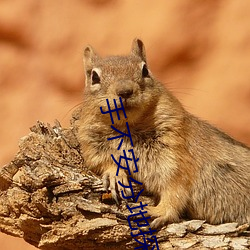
{"type": "Point", "coordinates": [199, 49]}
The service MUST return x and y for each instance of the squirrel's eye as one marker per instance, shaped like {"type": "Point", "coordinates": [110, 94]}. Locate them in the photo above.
{"type": "Point", "coordinates": [95, 78]}
{"type": "Point", "coordinates": [145, 72]}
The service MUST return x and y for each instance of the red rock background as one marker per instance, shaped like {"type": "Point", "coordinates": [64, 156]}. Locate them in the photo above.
{"type": "Point", "coordinates": [200, 49]}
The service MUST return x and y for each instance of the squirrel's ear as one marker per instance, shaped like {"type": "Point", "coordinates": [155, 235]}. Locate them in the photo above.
{"type": "Point", "coordinates": [89, 57]}
{"type": "Point", "coordinates": [138, 49]}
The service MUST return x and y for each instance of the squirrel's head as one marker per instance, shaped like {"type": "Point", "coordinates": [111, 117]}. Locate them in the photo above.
{"type": "Point", "coordinates": [113, 77]}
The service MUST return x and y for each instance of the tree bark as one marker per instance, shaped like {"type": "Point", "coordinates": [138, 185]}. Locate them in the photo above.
{"type": "Point", "coordinates": [50, 199]}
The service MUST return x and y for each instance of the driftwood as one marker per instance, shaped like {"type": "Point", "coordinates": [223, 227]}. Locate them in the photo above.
{"type": "Point", "coordinates": [49, 198]}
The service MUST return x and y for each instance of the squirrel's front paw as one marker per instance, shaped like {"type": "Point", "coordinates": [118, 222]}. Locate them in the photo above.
{"type": "Point", "coordinates": [162, 216]}
{"type": "Point", "coordinates": [159, 218]}
{"type": "Point", "coordinates": [110, 180]}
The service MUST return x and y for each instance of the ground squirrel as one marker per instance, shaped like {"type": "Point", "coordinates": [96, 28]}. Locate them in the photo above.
{"type": "Point", "coordinates": [190, 166]}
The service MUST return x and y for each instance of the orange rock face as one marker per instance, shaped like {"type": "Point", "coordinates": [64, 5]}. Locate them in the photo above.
{"type": "Point", "coordinates": [200, 49]}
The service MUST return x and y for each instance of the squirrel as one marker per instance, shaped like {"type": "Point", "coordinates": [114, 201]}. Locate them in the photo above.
{"type": "Point", "coordinates": [191, 167]}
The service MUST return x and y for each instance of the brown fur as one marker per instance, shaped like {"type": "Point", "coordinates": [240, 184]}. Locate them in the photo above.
{"type": "Point", "coordinates": [191, 166]}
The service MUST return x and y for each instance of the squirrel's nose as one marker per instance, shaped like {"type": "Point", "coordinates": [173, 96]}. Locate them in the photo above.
{"type": "Point", "coordinates": [125, 93]}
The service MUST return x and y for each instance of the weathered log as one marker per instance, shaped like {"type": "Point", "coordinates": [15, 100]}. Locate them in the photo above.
{"type": "Point", "coordinates": [49, 198]}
